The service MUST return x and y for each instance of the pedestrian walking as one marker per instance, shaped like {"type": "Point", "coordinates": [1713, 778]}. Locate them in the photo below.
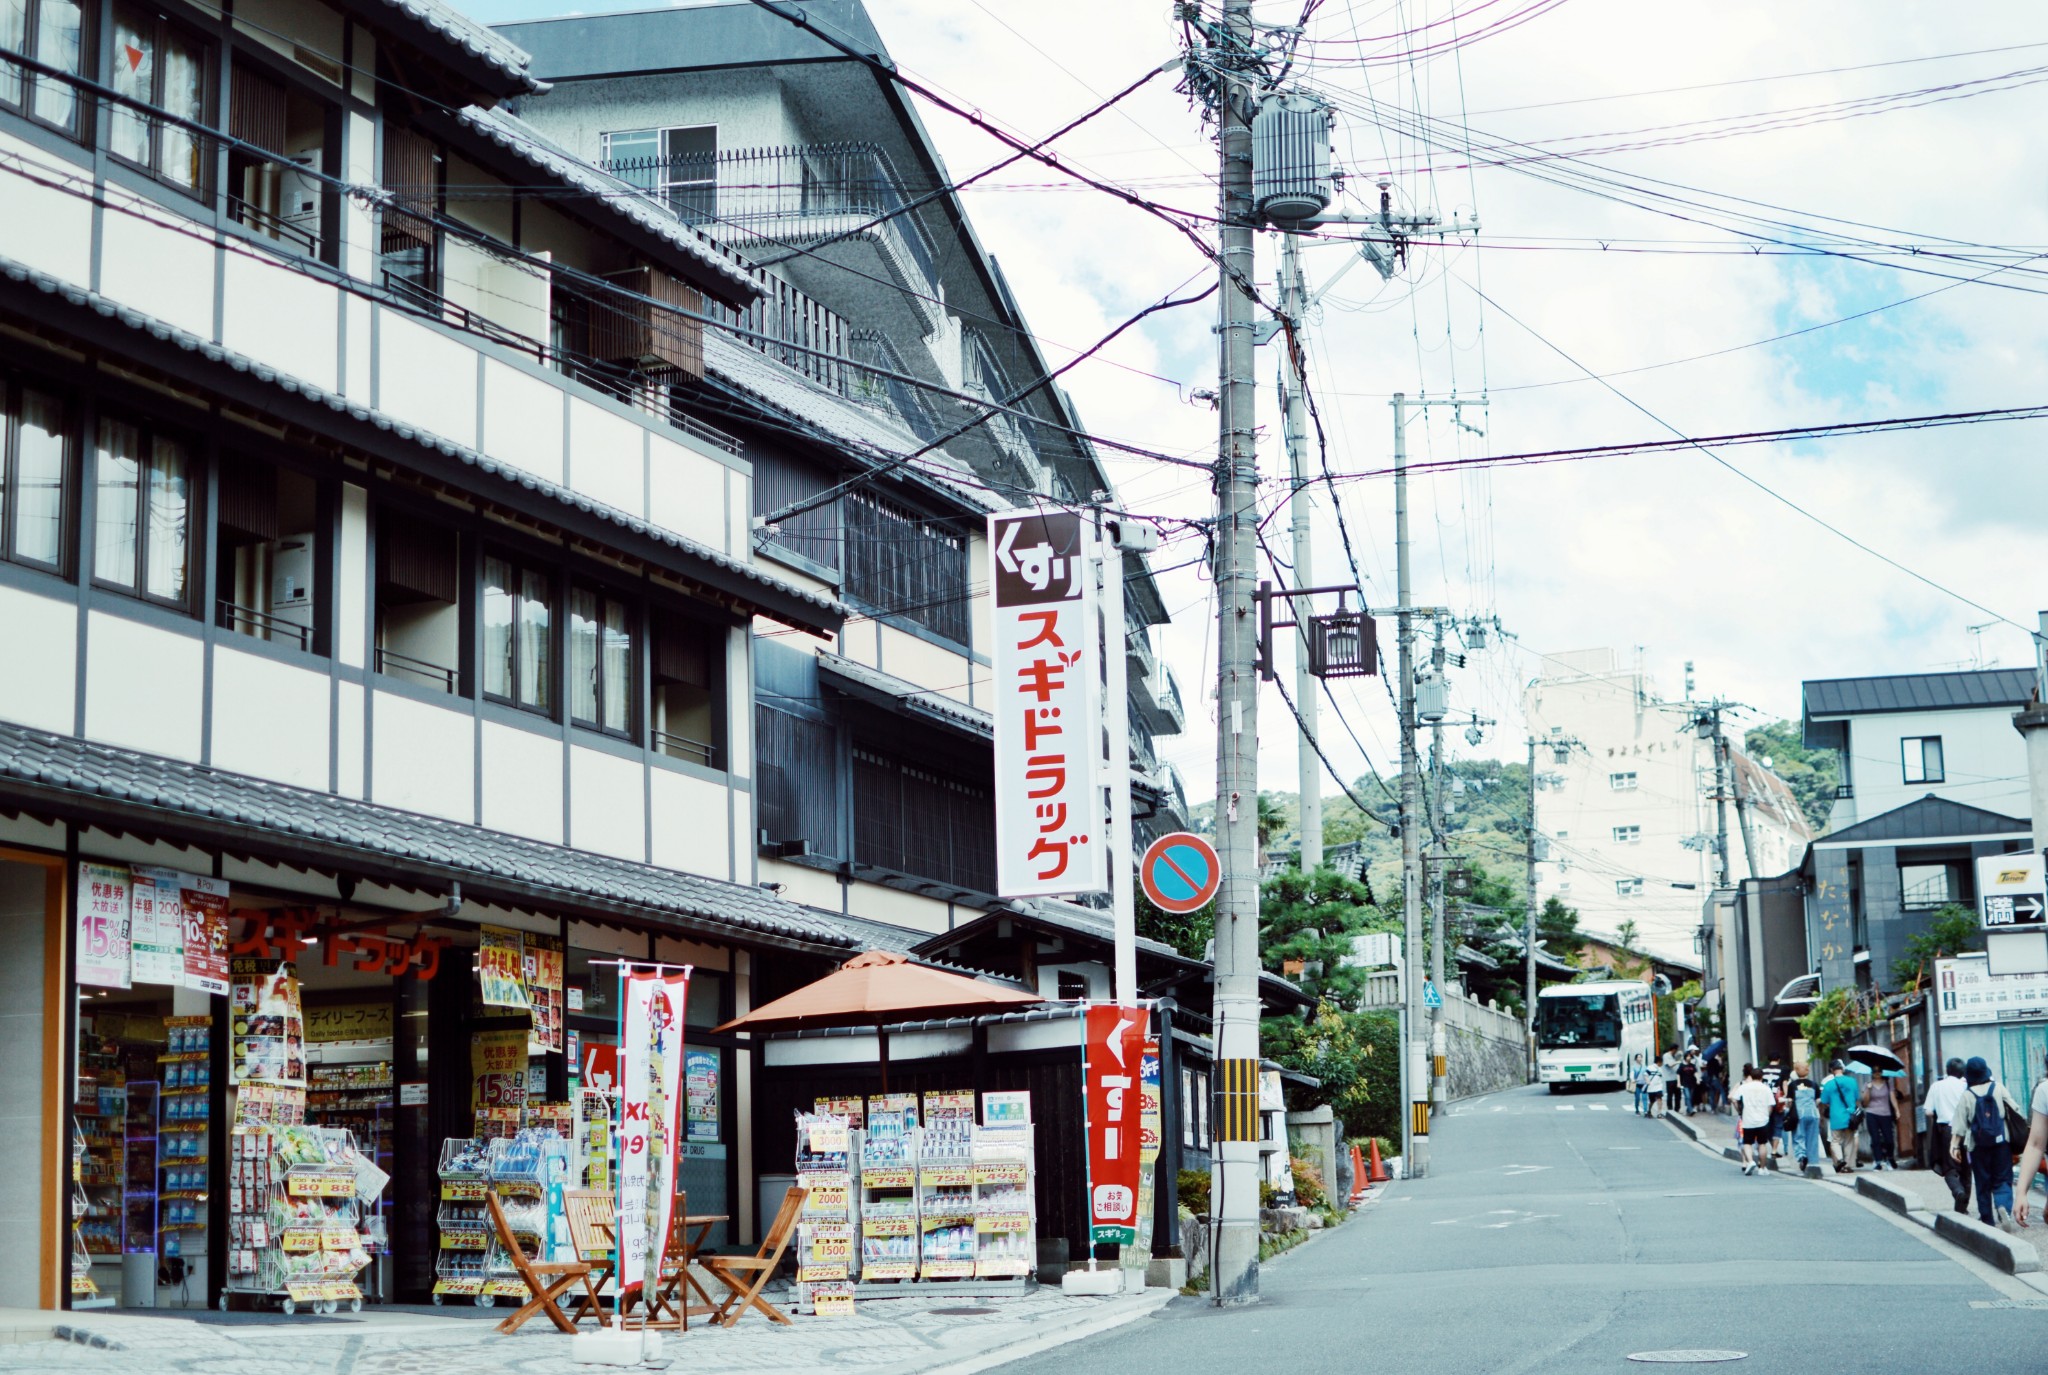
{"type": "Point", "coordinates": [1715, 1075]}
{"type": "Point", "coordinates": [1777, 1080]}
{"type": "Point", "coordinates": [1642, 1084]}
{"type": "Point", "coordinates": [1754, 1103]}
{"type": "Point", "coordinates": [1671, 1061]}
{"type": "Point", "coordinates": [1881, 1115]}
{"type": "Point", "coordinates": [1689, 1082]}
{"type": "Point", "coordinates": [1803, 1106]}
{"type": "Point", "coordinates": [1979, 1118]}
{"type": "Point", "coordinates": [1841, 1097]}
{"type": "Point", "coordinates": [1941, 1104]}
{"type": "Point", "coordinates": [2037, 1142]}
{"type": "Point", "coordinates": [1653, 1085]}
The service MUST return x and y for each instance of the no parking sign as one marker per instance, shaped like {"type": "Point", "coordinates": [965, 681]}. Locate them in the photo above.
{"type": "Point", "coordinates": [1180, 873]}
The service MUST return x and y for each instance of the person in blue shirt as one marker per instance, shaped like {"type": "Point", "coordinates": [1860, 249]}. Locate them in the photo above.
{"type": "Point", "coordinates": [1841, 1097]}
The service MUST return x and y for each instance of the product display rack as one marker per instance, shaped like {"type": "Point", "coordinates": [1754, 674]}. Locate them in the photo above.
{"type": "Point", "coordinates": [888, 1191]}
{"type": "Point", "coordinates": [359, 1099]}
{"type": "Point", "coordinates": [84, 1293]}
{"type": "Point", "coordinates": [102, 1114]}
{"type": "Point", "coordinates": [517, 1176]}
{"type": "Point", "coordinates": [945, 1187]}
{"type": "Point", "coordinates": [183, 1110]}
{"type": "Point", "coordinates": [464, 1223]}
{"type": "Point", "coordinates": [293, 1218]}
{"type": "Point", "coordinates": [825, 1229]}
{"type": "Point", "coordinates": [1005, 1215]}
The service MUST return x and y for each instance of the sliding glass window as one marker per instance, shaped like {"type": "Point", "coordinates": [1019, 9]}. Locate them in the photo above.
{"type": "Point", "coordinates": [600, 661]}
{"type": "Point", "coordinates": [518, 649]}
{"type": "Point", "coordinates": [144, 499]}
{"type": "Point", "coordinates": [35, 475]}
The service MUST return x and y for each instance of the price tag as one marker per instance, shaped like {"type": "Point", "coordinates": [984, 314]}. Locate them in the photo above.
{"type": "Point", "coordinates": [830, 1247]}
{"type": "Point", "coordinates": [887, 1226]}
{"type": "Point", "coordinates": [889, 1270]}
{"type": "Point", "coordinates": [471, 1287]}
{"type": "Point", "coordinates": [998, 1269]}
{"type": "Point", "coordinates": [948, 1176]}
{"type": "Point", "coordinates": [999, 1172]}
{"type": "Point", "coordinates": [506, 1289]}
{"type": "Point", "coordinates": [828, 1138]}
{"type": "Point", "coordinates": [890, 1178]}
{"type": "Point", "coordinates": [338, 1239]}
{"type": "Point", "coordinates": [812, 1274]}
{"type": "Point", "coordinates": [832, 1303]}
{"type": "Point", "coordinates": [463, 1190]}
{"type": "Point", "coordinates": [948, 1269]}
{"type": "Point", "coordinates": [320, 1185]}
{"type": "Point", "coordinates": [299, 1239]}
{"type": "Point", "coordinates": [1003, 1222]}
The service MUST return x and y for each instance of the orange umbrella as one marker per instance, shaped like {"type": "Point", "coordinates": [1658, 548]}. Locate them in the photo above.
{"type": "Point", "coordinates": [876, 987]}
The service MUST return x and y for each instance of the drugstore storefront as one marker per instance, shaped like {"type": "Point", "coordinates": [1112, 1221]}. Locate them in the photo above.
{"type": "Point", "coordinates": [237, 1075]}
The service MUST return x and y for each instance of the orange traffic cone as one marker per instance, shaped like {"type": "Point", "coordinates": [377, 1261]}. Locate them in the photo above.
{"type": "Point", "coordinates": [1379, 1170]}
{"type": "Point", "coordinates": [1359, 1181]}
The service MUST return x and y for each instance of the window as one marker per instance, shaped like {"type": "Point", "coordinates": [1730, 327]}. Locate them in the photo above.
{"type": "Point", "coordinates": [266, 554]}
{"type": "Point", "coordinates": [278, 192]}
{"type": "Point", "coordinates": [35, 470]}
{"type": "Point", "coordinates": [143, 517]}
{"type": "Point", "coordinates": [419, 611]}
{"type": "Point", "coordinates": [406, 247]}
{"type": "Point", "coordinates": [518, 649]}
{"type": "Point", "coordinates": [1921, 755]}
{"type": "Point", "coordinates": [782, 480]}
{"type": "Point", "coordinates": [1628, 888]}
{"type": "Point", "coordinates": [688, 680]}
{"type": "Point", "coordinates": [678, 166]}
{"type": "Point", "coordinates": [904, 565]}
{"type": "Point", "coordinates": [1621, 782]}
{"type": "Point", "coordinates": [600, 661]}
{"type": "Point", "coordinates": [1925, 885]}
{"type": "Point", "coordinates": [798, 761]}
{"type": "Point", "coordinates": [1627, 835]}
{"type": "Point", "coordinates": [53, 33]}
{"type": "Point", "coordinates": [159, 63]}
{"type": "Point", "coordinates": [911, 820]}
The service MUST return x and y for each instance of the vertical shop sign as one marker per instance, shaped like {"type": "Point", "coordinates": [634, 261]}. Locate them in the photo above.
{"type": "Point", "coordinates": [651, 1098]}
{"type": "Point", "coordinates": [267, 1045]}
{"type": "Point", "coordinates": [700, 1092]}
{"type": "Point", "coordinates": [1111, 1067]}
{"type": "Point", "coordinates": [157, 925]}
{"type": "Point", "coordinates": [1048, 706]}
{"type": "Point", "coordinates": [203, 906]}
{"type": "Point", "coordinates": [103, 957]}
{"type": "Point", "coordinates": [500, 962]}
{"type": "Point", "coordinates": [544, 971]}
{"type": "Point", "coordinates": [1150, 1123]}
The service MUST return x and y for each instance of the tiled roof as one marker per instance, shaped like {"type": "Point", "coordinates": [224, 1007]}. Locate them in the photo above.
{"type": "Point", "coordinates": [496, 52]}
{"type": "Point", "coordinates": [740, 278]}
{"type": "Point", "coordinates": [829, 610]}
{"type": "Point", "coordinates": [73, 777]}
{"type": "Point", "coordinates": [1992, 687]}
{"type": "Point", "coordinates": [908, 697]}
{"type": "Point", "coordinates": [1926, 818]}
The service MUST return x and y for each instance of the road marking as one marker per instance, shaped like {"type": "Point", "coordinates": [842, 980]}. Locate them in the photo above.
{"type": "Point", "coordinates": [1687, 1357]}
{"type": "Point", "coordinates": [1567, 1107]}
{"type": "Point", "coordinates": [1513, 1170]}
{"type": "Point", "coordinates": [1624, 1148]}
{"type": "Point", "coordinates": [1596, 1107]}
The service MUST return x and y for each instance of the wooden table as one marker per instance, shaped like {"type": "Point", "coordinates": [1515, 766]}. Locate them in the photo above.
{"type": "Point", "coordinates": [695, 1227]}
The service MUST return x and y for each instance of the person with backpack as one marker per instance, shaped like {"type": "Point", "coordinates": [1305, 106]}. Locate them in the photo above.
{"type": "Point", "coordinates": [1689, 1082]}
{"type": "Point", "coordinates": [1841, 1097]}
{"type": "Point", "coordinates": [1979, 1120]}
{"type": "Point", "coordinates": [2037, 1142]}
{"type": "Point", "coordinates": [1802, 1100]}
{"type": "Point", "coordinates": [1942, 1097]}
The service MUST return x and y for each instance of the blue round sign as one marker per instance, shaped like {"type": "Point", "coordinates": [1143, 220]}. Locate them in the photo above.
{"type": "Point", "coordinates": [1180, 873]}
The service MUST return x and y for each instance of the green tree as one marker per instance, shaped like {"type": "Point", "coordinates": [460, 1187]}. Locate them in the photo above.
{"type": "Point", "coordinates": [1557, 926]}
{"type": "Point", "coordinates": [1273, 820]}
{"type": "Point", "coordinates": [1627, 934]}
{"type": "Point", "coordinates": [1810, 774]}
{"type": "Point", "coordinates": [1188, 933]}
{"type": "Point", "coordinates": [1312, 918]}
{"type": "Point", "coordinates": [1837, 1019]}
{"type": "Point", "coordinates": [1952, 930]}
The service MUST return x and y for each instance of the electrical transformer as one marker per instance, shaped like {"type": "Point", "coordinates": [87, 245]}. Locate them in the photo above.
{"type": "Point", "coordinates": [1291, 158]}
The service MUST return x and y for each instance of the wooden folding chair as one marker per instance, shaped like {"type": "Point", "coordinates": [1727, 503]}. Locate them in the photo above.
{"type": "Point", "coordinates": [593, 1226]}
{"type": "Point", "coordinates": [546, 1280]}
{"type": "Point", "coordinates": [733, 1271]}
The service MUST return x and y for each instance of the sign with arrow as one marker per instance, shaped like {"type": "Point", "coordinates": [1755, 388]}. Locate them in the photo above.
{"type": "Point", "coordinates": [2012, 893]}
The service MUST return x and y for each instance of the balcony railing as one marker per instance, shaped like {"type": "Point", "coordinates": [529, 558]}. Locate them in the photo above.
{"type": "Point", "coordinates": [417, 670]}
{"type": "Point", "coordinates": [262, 625]}
{"type": "Point", "coordinates": [797, 192]}
{"type": "Point", "coordinates": [683, 747]}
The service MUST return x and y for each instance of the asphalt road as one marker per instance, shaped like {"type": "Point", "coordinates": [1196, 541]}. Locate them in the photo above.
{"type": "Point", "coordinates": [1562, 1234]}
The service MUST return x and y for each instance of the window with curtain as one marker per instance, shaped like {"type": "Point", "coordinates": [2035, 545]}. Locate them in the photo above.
{"type": "Point", "coordinates": [35, 476]}
{"type": "Point", "coordinates": [53, 33]}
{"type": "Point", "coordinates": [518, 650]}
{"type": "Point", "coordinates": [163, 65]}
{"type": "Point", "coordinates": [142, 528]}
{"type": "Point", "coordinates": [600, 661]}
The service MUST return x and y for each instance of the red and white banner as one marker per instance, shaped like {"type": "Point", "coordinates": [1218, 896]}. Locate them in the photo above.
{"type": "Point", "coordinates": [1048, 705]}
{"type": "Point", "coordinates": [1111, 1068]}
{"type": "Point", "coordinates": [651, 1100]}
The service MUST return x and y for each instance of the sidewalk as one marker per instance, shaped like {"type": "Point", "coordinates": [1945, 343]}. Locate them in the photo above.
{"type": "Point", "coordinates": [920, 1336]}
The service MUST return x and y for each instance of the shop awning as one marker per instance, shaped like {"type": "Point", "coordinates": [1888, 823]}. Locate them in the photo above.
{"type": "Point", "coordinates": [62, 778]}
{"type": "Point", "coordinates": [877, 987]}
{"type": "Point", "coordinates": [906, 699]}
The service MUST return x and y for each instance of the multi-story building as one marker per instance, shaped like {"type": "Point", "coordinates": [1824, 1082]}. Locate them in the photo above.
{"type": "Point", "coordinates": [381, 572]}
{"type": "Point", "coordinates": [1630, 817]}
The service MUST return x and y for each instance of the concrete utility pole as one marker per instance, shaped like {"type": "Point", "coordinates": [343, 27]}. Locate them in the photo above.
{"type": "Point", "coordinates": [1308, 765]}
{"type": "Point", "coordinates": [1235, 1268]}
{"type": "Point", "coordinates": [1529, 915]}
{"type": "Point", "coordinates": [1439, 847]}
{"type": "Point", "coordinates": [1741, 805]}
{"type": "Point", "coordinates": [1414, 1073]}
{"type": "Point", "coordinates": [2032, 724]}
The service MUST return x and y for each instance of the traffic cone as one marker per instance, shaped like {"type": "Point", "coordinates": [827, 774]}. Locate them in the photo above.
{"type": "Point", "coordinates": [1379, 1170]}
{"type": "Point", "coordinates": [1359, 1181]}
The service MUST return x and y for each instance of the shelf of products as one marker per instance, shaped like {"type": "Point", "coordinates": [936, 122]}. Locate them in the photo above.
{"type": "Point", "coordinates": [296, 1196]}
{"type": "Point", "coordinates": [184, 1108]}
{"type": "Point", "coordinates": [945, 1187]}
{"type": "Point", "coordinates": [888, 1189]}
{"type": "Point", "coordinates": [517, 1174]}
{"type": "Point", "coordinates": [462, 1221]}
{"type": "Point", "coordinates": [1005, 1210]}
{"type": "Point", "coordinates": [825, 1228]}
{"type": "Point", "coordinates": [101, 1114]}
{"type": "Point", "coordinates": [84, 1292]}
{"type": "Point", "coordinates": [138, 1195]}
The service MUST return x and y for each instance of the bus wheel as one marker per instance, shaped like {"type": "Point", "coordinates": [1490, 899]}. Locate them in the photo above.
{"type": "Point", "coordinates": [1557, 1088]}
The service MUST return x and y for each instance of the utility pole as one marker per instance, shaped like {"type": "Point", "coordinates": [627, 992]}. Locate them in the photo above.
{"type": "Point", "coordinates": [1235, 1269]}
{"type": "Point", "coordinates": [1529, 915]}
{"type": "Point", "coordinates": [1308, 765]}
{"type": "Point", "coordinates": [1741, 802]}
{"type": "Point", "coordinates": [2032, 724]}
{"type": "Point", "coordinates": [1414, 1147]}
{"type": "Point", "coordinates": [1439, 1077]}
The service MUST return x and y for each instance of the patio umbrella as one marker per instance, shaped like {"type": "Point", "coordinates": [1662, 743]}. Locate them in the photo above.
{"type": "Point", "coordinates": [1875, 1057]}
{"type": "Point", "coordinates": [875, 988]}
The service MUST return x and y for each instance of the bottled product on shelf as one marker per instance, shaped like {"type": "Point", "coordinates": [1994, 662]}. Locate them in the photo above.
{"type": "Point", "coordinates": [184, 1107]}
{"type": "Point", "coordinates": [1005, 1213]}
{"type": "Point", "coordinates": [824, 1242]}
{"type": "Point", "coordinates": [888, 1189]}
{"type": "Point", "coordinates": [463, 1222]}
{"type": "Point", "coordinates": [516, 1171]}
{"type": "Point", "coordinates": [945, 1178]}
{"type": "Point", "coordinates": [102, 1114]}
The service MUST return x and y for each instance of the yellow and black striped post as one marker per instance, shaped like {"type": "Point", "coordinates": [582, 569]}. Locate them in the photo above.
{"type": "Point", "coordinates": [1237, 1100]}
{"type": "Point", "coordinates": [1418, 1118]}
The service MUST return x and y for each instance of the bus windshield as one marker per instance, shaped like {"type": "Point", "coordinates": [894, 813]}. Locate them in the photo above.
{"type": "Point", "coordinates": [1586, 1019]}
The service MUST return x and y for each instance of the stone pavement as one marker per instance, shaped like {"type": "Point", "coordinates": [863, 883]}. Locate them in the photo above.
{"type": "Point", "coordinates": [917, 1336]}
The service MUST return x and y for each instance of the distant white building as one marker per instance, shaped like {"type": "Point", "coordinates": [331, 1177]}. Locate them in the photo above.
{"type": "Point", "coordinates": [1629, 817]}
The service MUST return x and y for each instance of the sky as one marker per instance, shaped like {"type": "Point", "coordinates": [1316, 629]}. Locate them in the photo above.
{"type": "Point", "coordinates": [1837, 133]}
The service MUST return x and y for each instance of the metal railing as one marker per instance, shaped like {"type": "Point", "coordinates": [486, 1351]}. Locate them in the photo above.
{"type": "Point", "coordinates": [252, 216]}
{"type": "Point", "coordinates": [683, 747]}
{"type": "Point", "coordinates": [871, 346]}
{"type": "Point", "coordinates": [795, 192]}
{"type": "Point", "coordinates": [262, 625]}
{"type": "Point", "coordinates": [404, 665]}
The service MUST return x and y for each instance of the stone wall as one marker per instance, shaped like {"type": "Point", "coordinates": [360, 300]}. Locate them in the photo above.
{"type": "Point", "coordinates": [1487, 1049]}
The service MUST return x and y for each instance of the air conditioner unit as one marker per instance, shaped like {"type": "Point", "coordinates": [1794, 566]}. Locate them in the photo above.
{"type": "Point", "coordinates": [291, 580]}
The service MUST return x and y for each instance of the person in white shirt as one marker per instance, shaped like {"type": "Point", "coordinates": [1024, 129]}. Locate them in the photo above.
{"type": "Point", "coordinates": [1653, 1087]}
{"type": "Point", "coordinates": [1942, 1097]}
{"type": "Point", "coordinates": [1754, 1103]}
{"type": "Point", "coordinates": [2037, 1142]}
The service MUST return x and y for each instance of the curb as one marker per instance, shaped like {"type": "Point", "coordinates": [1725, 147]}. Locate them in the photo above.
{"type": "Point", "coordinates": [1145, 1307]}
{"type": "Point", "coordinates": [1987, 1243]}
{"type": "Point", "coordinates": [1898, 1200]}
{"type": "Point", "coordinates": [78, 1336]}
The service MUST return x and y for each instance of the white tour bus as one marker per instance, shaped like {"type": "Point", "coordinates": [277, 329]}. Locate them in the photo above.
{"type": "Point", "coordinates": [1593, 1033]}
